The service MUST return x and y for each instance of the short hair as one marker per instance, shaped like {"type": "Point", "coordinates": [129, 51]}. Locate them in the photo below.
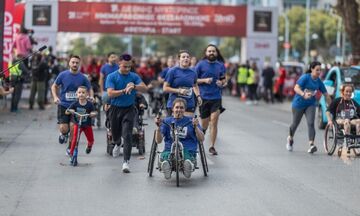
{"type": "Point", "coordinates": [179, 100]}
{"type": "Point", "coordinates": [74, 56]}
{"type": "Point", "coordinates": [111, 53]}
{"type": "Point", "coordinates": [183, 51]}
{"type": "Point", "coordinates": [125, 57]}
{"type": "Point", "coordinates": [83, 87]}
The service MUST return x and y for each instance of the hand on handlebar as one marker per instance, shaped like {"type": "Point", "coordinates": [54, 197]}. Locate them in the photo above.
{"type": "Point", "coordinates": [195, 121]}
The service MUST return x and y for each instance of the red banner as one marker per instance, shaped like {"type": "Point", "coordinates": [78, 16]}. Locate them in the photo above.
{"type": "Point", "coordinates": [18, 16]}
{"type": "Point", "coordinates": [8, 32]}
{"type": "Point", "coordinates": [161, 19]}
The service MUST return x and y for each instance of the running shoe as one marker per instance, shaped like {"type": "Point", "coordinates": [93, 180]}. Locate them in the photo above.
{"type": "Point", "coordinates": [188, 168]}
{"type": "Point", "coordinates": [88, 150]}
{"type": "Point", "coordinates": [125, 167]}
{"type": "Point", "coordinates": [166, 168]}
{"type": "Point", "coordinates": [68, 152]}
{"type": "Point", "coordinates": [116, 151]}
{"type": "Point", "coordinates": [312, 149]}
{"type": "Point", "coordinates": [62, 139]}
{"type": "Point", "coordinates": [213, 151]}
{"type": "Point", "coordinates": [289, 144]}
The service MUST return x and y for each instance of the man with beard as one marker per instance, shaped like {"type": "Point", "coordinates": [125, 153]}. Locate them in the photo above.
{"type": "Point", "coordinates": [68, 82]}
{"type": "Point", "coordinates": [211, 78]}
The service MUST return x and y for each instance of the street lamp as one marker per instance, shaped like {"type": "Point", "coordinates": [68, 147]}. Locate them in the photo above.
{"type": "Point", "coordinates": [287, 47]}
{"type": "Point", "coordinates": [307, 36]}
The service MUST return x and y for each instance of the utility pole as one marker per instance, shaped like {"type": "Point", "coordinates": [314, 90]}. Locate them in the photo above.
{"type": "Point", "coordinates": [307, 36]}
{"type": "Point", "coordinates": [287, 47]}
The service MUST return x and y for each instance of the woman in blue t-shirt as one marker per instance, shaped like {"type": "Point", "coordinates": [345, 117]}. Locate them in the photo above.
{"type": "Point", "coordinates": [181, 81]}
{"type": "Point", "coordinates": [304, 102]}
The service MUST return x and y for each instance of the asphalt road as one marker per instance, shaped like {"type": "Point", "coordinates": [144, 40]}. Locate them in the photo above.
{"type": "Point", "coordinates": [252, 175]}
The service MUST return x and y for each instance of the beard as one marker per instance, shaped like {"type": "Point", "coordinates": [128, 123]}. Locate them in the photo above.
{"type": "Point", "coordinates": [211, 58]}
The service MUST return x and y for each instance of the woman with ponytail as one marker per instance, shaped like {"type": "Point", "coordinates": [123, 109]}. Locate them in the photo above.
{"type": "Point", "coordinates": [304, 102]}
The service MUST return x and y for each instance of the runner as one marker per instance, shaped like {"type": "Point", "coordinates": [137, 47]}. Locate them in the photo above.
{"type": "Point", "coordinates": [211, 78]}
{"type": "Point", "coordinates": [68, 82]}
{"type": "Point", "coordinates": [120, 86]}
{"type": "Point", "coordinates": [181, 82]}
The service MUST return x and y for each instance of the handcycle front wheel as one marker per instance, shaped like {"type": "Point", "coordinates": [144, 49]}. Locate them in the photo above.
{"type": "Point", "coordinates": [177, 166]}
{"type": "Point", "coordinates": [330, 139]}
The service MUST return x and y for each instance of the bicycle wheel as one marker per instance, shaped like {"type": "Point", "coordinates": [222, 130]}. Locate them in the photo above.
{"type": "Point", "coordinates": [177, 166]}
{"type": "Point", "coordinates": [203, 158]}
{"type": "Point", "coordinates": [330, 139]}
{"type": "Point", "coordinates": [152, 156]}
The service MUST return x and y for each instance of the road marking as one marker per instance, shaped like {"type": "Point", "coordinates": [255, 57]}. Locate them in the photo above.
{"type": "Point", "coordinates": [280, 123]}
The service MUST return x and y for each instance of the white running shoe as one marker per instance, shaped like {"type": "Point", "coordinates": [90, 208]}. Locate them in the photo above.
{"type": "Point", "coordinates": [166, 168]}
{"type": "Point", "coordinates": [116, 151]}
{"type": "Point", "coordinates": [188, 168]}
{"type": "Point", "coordinates": [125, 167]}
{"type": "Point", "coordinates": [289, 144]}
{"type": "Point", "coordinates": [312, 149]}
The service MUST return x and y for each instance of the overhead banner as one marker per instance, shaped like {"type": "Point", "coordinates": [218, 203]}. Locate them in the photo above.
{"type": "Point", "coordinates": [8, 32]}
{"type": "Point", "coordinates": [160, 19]}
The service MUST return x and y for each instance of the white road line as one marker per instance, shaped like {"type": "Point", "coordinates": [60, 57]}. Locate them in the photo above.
{"type": "Point", "coordinates": [280, 123]}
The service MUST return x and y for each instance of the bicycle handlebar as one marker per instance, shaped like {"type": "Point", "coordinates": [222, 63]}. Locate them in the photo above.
{"type": "Point", "coordinates": [78, 114]}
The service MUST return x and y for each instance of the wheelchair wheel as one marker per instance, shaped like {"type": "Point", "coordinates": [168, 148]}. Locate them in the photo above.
{"type": "Point", "coordinates": [109, 144]}
{"type": "Point", "coordinates": [152, 156]}
{"type": "Point", "coordinates": [177, 165]}
{"type": "Point", "coordinates": [203, 158]}
{"type": "Point", "coordinates": [330, 139]}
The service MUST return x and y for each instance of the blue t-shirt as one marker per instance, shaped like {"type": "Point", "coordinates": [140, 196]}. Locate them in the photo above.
{"type": "Point", "coordinates": [106, 69]}
{"type": "Point", "coordinates": [69, 83]}
{"type": "Point", "coordinates": [187, 135]}
{"type": "Point", "coordinates": [164, 72]}
{"type": "Point", "coordinates": [82, 109]}
{"type": "Point", "coordinates": [118, 81]}
{"type": "Point", "coordinates": [307, 84]}
{"type": "Point", "coordinates": [181, 78]}
{"type": "Point", "coordinates": [214, 70]}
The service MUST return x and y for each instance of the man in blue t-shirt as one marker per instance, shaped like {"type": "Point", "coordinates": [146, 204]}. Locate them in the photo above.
{"type": "Point", "coordinates": [68, 82]}
{"type": "Point", "coordinates": [211, 79]}
{"type": "Point", "coordinates": [188, 136]}
{"type": "Point", "coordinates": [121, 87]}
{"type": "Point", "coordinates": [106, 69]}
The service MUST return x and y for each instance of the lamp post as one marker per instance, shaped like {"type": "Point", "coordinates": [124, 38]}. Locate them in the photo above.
{"type": "Point", "coordinates": [287, 47]}
{"type": "Point", "coordinates": [307, 35]}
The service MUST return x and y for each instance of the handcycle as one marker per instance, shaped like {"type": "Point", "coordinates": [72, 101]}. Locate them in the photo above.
{"type": "Point", "coordinates": [156, 98]}
{"type": "Point", "coordinates": [139, 135]}
{"type": "Point", "coordinates": [335, 136]}
{"type": "Point", "coordinates": [73, 159]}
{"type": "Point", "coordinates": [177, 153]}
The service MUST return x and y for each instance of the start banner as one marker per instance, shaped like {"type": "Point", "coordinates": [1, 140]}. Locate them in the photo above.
{"type": "Point", "coordinates": [160, 19]}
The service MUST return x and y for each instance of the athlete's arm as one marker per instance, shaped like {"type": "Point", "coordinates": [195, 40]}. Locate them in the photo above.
{"type": "Point", "coordinates": [54, 92]}
{"type": "Point", "coordinates": [101, 83]}
{"type": "Point", "coordinates": [169, 89]}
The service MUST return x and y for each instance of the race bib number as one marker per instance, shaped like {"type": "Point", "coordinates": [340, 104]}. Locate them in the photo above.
{"type": "Point", "coordinates": [70, 96]}
{"type": "Point", "coordinates": [188, 93]}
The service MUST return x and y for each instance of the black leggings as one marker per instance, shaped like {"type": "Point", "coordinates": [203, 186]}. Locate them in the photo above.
{"type": "Point", "coordinates": [122, 123]}
{"type": "Point", "coordinates": [310, 119]}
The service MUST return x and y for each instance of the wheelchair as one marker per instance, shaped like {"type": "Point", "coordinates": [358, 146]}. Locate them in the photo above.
{"type": "Point", "coordinates": [335, 137]}
{"type": "Point", "coordinates": [176, 157]}
{"type": "Point", "coordinates": [138, 136]}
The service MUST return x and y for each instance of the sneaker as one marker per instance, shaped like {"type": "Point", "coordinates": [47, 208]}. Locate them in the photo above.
{"type": "Point", "coordinates": [213, 151]}
{"type": "Point", "coordinates": [88, 150]}
{"type": "Point", "coordinates": [289, 144]}
{"type": "Point", "coordinates": [135, 130]}
{"type": "Point", "coordinates": [62, 139]}
{"type": "Point", "coordinates": [312, 149]}
{"type": "Point", "coordinates": [222, 109]}
{"type": "Point", "coordinates": [188, 168]}
{"type": "Point", "coordinates": [166, 168]}
{"type": "Point", "coordinates": [116, 151]}
{"type": "Point", "coordinates": [125, 167]}
{"type": "Point", "coordinates": [68, 152]}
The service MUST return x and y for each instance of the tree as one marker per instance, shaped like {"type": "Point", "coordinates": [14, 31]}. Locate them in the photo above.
{"type": "Point", "coordinates": [79, 47]}
{"type": "Point", "coordinates": [349, 11]}
{"type": "Point", "coordinates": [110, 43]}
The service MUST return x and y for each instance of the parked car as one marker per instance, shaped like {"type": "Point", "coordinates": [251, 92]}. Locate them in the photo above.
{"type": "Point", "coordinates": [333, 80]}
{"type": "Point", "coordinates": [293, 71]}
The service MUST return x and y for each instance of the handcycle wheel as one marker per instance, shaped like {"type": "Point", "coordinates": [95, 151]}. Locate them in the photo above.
{"type": "Point", "coordinates": [330, 139]}
{"type": "Point", "coordinates": [177, 165]}
{"type": "Point", "coordinates": [152, 156]}
{"type": "Point", "coordinates": [203, 158]}
{"type": "Point", "coordinates": [142, 144]}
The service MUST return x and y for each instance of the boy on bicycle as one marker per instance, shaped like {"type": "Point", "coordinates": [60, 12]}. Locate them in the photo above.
{"type": "Point", "coordinates": [189, 137]}
{"type": "Point", "coordinates": [82, 106]}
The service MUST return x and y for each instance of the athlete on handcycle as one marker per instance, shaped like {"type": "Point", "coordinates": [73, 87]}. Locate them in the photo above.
{"type": "Point", "coordinates": [190, 134]}
{"type": "Point", "coordinates": [345, 112]}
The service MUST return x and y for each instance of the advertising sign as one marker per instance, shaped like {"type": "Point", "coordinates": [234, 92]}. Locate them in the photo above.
{"type": "Point", "coordinates": [41, 15]}
{"type": "Point", "coordinates": [161, 19]}
{"type": "Point", "coordinates": [8, 32]}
